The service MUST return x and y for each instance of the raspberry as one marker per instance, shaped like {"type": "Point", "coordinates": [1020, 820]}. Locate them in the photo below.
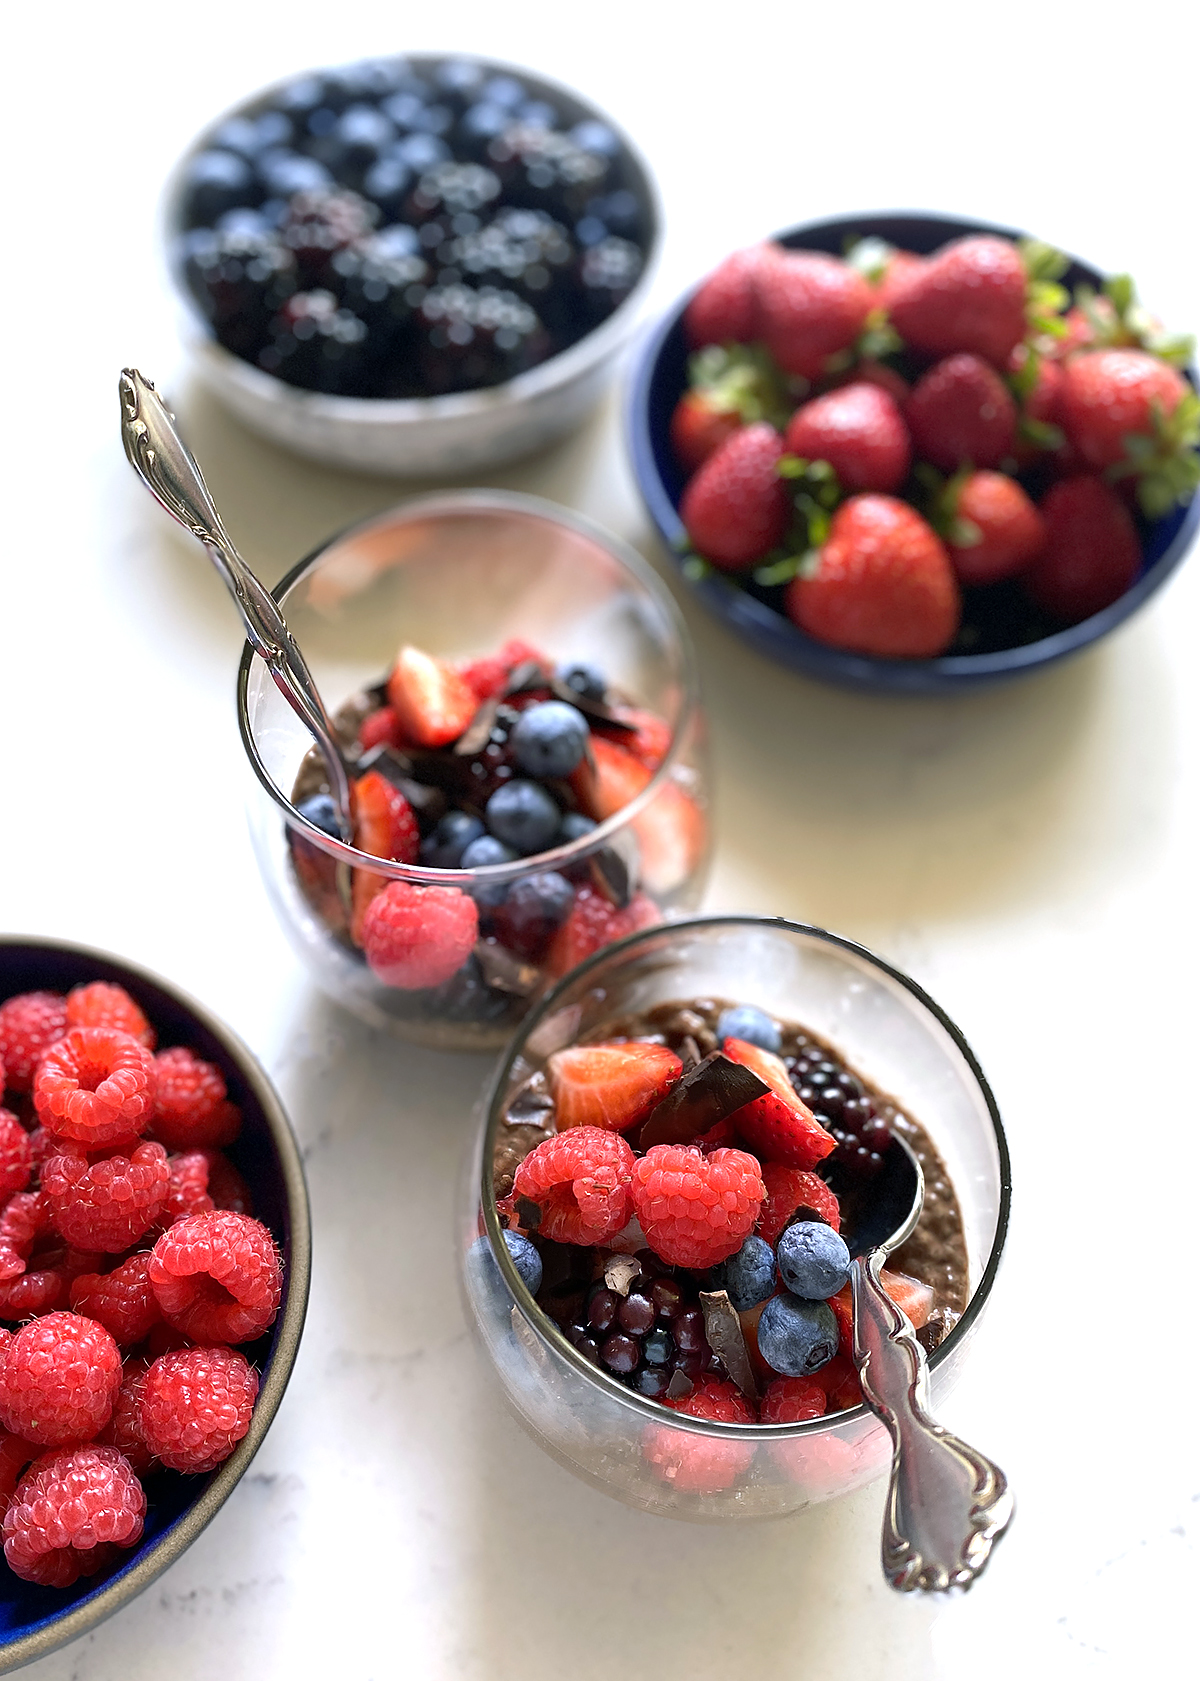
{"type": "Point", "coordinates": [33, 1294]}
{"type": "Point", "coordinates": [190, 1111]}
{"type": "Point", "coordinates": [695, 1209]}
{"type": "Point", "coordinates": [188, 1193]}
{"type": "Point", "coordinates": [29, 1025]}
{"type": "Point", "coordinates": [419, 936]}
{"type": "Point", "coordinates": [59, 1379]}
{"type": "Point", "coordinates": [195, 1406]}
{"type": "Point", "coordinates": [226, 1186]}
{"type": "Point", "coordinates": [42, 1145]}
{"type": "Point", "coordinates": [26, 1216]}
{"type": "Point", "coordinates": [123, 1430]}
{"type": "Point", "coordinates": [122, 1300]}
{"type": "Point", "coordinates": [108, 1204]}
{"type": "Point", "coordinates": [164, 1338]}
{"type": "Point", "coordinates": [702, 1464]}
{"type": "Point", "coordinates": [488, 675]}
{"type": "Point", "coordinates": [790, 1400]}
{"type": "Point", "coordinates": [380, 728]}
{"type": "Point", "coordinates": [580, 1181]}
{"type": "Point", "coordinates": [95, 1086]}
{"type": "Point", "coordinates": [791, 1190]}
{"type": "Point", "coordinates": [104, 1005]}
{"type": "Point", "coordinates": [69, 1512]}
{"type": "Point", "coordinates": [16, 1155]}
{"type": "Point", "coordinates": [218, 1277]}
{"type": "Point", "coordinates": [15, 1455]}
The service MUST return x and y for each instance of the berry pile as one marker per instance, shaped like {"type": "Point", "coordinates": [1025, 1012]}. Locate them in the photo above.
{"type": "Point", "coordinates": [395, 229]}
{"type": "Point", "coordinates": [912, 456]}
{"type": "Point", "coordinates": [671, 1210]}
{"type": "Point", "coordinates": [129, 1265]}
{"type": "Point", "coordinates": [486, 763]}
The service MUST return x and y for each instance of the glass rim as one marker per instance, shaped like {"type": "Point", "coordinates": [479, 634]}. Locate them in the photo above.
{"type": "Point", "coordinates": [544, 1327]}
{"type": "Point", "coordinates": [452, 503]}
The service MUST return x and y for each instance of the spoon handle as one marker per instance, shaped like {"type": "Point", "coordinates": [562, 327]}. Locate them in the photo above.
{"type": "Point", "coordinates": [947, 1504]}
{"type": "Point", "coordinates": [165, 465]}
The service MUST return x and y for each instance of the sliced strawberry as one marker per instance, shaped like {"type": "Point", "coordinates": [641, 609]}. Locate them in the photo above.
{"type": "Point", "coordinates": [650, 740]}
{"type": "Point", "coordinates": [791, 1191]}
{"type": "Point", "coordinates": [839, 1379]}
{"type": "Point", "coordinates": [487, 676]}
{"type": "Point", "coordinates": [672, 836]}
{"type": "Point", "coordinates": [611, 1086]}
{"type": "Point", "coordinates": [380, 728]}
{"type": "Point", "coordinates": [433, 703]}
{"type": "Point", "coordinates": [385, 827]}
{"type": "Point", "coordinates": [777, 1126]}
{"type": "Point", "coordinates": [764, 1373]}
{"type": "Point", "coordinates": [594, 922]}
{"type": "Point", "coordinates": [909, 1294]}
{"type": "Point", "coordinates": [842, 1308]}
{"type": "Point", "coordinates": [613, 778]}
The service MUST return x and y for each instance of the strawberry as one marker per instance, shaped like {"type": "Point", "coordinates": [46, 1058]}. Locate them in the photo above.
{"type": "Point", "coordinates": [1091, 553]}
{"type": "Point", "coordinates": [777, 1126]}
{"type": "Point", "coordinates": [701, 423]}
{"type": "Point", "coordinates": [791, 1191]}
{"type": "Point", "coordinates": [962, 411]}
{"type": "Point", "coordinates": [812, 307]}
{"type": "Point", "coordinates": [380, 728]}
{"type": "Point", "coordinates": [486, 676]}
{"type": "Point", "coordinates": [838, 1379]}
{"type": "Point", "coordinates": [433, 702]}
{"type": "Point", "coordinates": [736, 507]}
{"type": "Point", "coordinates": [860, 432]}
{"type": "Point", "coordinates": [1036, 381]}
{"type": "Point", "coordinates": [610, 781]}
{"type": "Point", "coordinates": [651, 737]}
{"type": "Point", "coordinates": [969, 296]}
{"type": "Point", "coordinates": [384, 826]}
{"type": "Point", "coordinates": [672, 835]}
{"type": "Point", "coordinates": [883, 584]}
{"type": "Point", "coordinates": [1129, 412]}
{"type": "Point", "coordinates": [911, 1296]}
{"type": "Point", "coordinates": [594, 922]}
{"type": "Point", "coordinates": [870, 372]}
{"type": "Point", "coordinates": [993, 529]}
{"type": "Point", "coordinates": [610, 1086]}
{"type": "Point", "coordinates": [898, 272]}
{"type": "Point", "coordinates": [724, 308]}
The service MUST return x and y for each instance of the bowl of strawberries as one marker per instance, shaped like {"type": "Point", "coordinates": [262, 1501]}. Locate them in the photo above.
{"type": "Point", "coordinates": [154, 1254]}
{"type": "Point", "coordinates": [913, 453]}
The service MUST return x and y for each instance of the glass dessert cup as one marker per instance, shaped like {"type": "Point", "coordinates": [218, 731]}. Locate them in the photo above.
{"type": "Point", "coordinates": [892, 1035]}
{"type": "Point", "coordinates": [458, 575]}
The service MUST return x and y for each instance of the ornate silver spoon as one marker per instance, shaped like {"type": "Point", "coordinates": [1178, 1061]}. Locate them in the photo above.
{"type": "Point", "coordinates": [165, 465]}
{"type": "Point", "coordinates": [947, 1503]}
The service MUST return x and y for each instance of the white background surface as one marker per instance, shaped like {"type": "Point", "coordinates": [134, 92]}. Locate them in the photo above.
{"type": "Point", "coordinates": [1029, 855]}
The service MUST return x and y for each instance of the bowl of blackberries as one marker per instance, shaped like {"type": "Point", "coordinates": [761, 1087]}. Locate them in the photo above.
{"type": "Point", "coordinates": [916, 454]}
{"type": "Point", "coordinates": [415, 266]}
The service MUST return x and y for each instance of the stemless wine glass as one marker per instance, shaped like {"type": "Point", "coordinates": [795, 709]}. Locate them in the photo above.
{"type": "Point", "coordinates": [892, 1034]}
{"type": "Point", "coordinates": [458, 575]}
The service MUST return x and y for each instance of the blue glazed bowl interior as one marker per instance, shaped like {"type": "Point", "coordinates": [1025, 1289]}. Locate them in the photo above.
{"type": "Point", "coordinates": [26, 1608]}
{"type": "Point", "coordinates": [660, 380]}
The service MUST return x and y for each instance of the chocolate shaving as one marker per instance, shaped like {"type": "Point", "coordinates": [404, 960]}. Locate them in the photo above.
{"type": "Point", "coordinates": [528, 675]}
{"type": "Point", "coordinates": [598, 709]}
{"type": "Point", "coordinates": [612, 876]}
{"type": "Point", "coordinates": [679, 1386]}
{"type": "Point", "coordinates": [504, 971]}
{"type": "Point", "coordinates": [707, 1093]}
{"type": "Point", "coordinates": [723, 1329]}
{"type": "Point", "coordinates": [620, 1272]}
{"type": "Point", "coordinates": [531, 1103]}
{"type": "Point", "coordinates": [528, 1213]}
{"type": "Point", "coordinates": [689, 1052]}
{"type": "Point", "coordinates": [478, 732]}
{"type": "Point", "coordinates": [555, 1032]}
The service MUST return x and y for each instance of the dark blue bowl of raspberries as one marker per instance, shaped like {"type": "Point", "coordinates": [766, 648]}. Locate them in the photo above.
{"type": "Point", "coordinates": [413, 266]}
{"type": "Point", "coordinates": [915, 454]}
{"type": "Point", "coordinates": [154, 1261]}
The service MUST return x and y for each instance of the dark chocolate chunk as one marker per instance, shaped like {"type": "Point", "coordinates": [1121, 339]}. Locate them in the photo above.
{"type": "Point", "coordinates": [723, 1329]}
{"type": "Point", "coordinates": [612, 876]}
{"type": "Point", "coordinates": [689, 1052]}
{"type": "Point", "coordinates": [479, 731]}
{"type": "Point", "coordinates": [529, 1214]}
{"type": "Point", "coordinates": [530, 1104]}
{"type": "Point", "coordinates": [679, 1386]}
{"type": "Point", "coordinates": [707, 1093]}
{"type": "Point", "coordinates": [620, 1272]}
{"type": "Point", "coordinates": [527, 675]}
{"type": "Point", "coordinates": [506, 972]}
{"type": "Point", "coordinates": [597, 709]}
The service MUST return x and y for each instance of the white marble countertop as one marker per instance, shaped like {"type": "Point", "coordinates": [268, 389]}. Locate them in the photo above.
{"type": "Point", "coordinates": [1028, 854]}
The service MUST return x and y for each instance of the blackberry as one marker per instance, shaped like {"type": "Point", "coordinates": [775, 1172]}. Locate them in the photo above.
{"type": "Point", "coordinates": [646, 1336]}
{"type": "Point", "coordinates": [241, 281]}
{"type": "Point", "coordinates": [316, 344]}
{"type": "Point", "coordinates": [283, 173]}
{"type": "Point", "coordinates": [608, 272]}
{"type": "Point", "coordinates": [543, 169]}
{"type": "Point", "coordinates": [839, 1101]}
{"type": "Point", "coordinates": [356, 141]}
{"type": "Point", "coordinates": [525, 250]}
{"type": "Point", "coordinates": [387, 183]}
{"type": "Point", "coordinates": [473, 338]}
{"type": "Point", "coordinates": [252, 135]}
{"type": "Point", "coordinates": [413, 115]}
{"type": "Point", "coordinates": [217, 181]}
{"type": "Point", "coordinates": [316, 225]}
{"type": "Point", "coordinates": [451, 189]}
{"type": "Point", "coordinates": [384, 293]}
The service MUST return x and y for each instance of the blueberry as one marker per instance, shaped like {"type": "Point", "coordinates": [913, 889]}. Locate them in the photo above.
{"type": "Point", "coordinates": [749, 1276]}
{"type": "Point", "coordinates": [746, 1021]}
{"type": "Point", "coordinates": [586, 680]}
{"type": "Point", "coordinates": [534, 908]}
{"type": "Point", "coordinates": [479, 855]}
{"type": "Point", "coordinates": [523, 815]}
{"type": "Point", "coordinates": [574, 826]}
{"type": "Point", "coordinates": [796, 1337]}
{"type": "Point", "coordinates": [813, 1260]}
{"type": "Point", "coordinates": [526, 1260]}
{"type": "Point", "coordinates": [444, 848]}
{"type": "Point", "coordinates": [550, 739]}
{"type": "Point", "coordinates": [321, 813]}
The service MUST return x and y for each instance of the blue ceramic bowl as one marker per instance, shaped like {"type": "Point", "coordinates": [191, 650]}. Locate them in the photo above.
{"type": "Point", "coordinates": [660, 378]}
{"type": "Point", "coordinates": [36, 1620]}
